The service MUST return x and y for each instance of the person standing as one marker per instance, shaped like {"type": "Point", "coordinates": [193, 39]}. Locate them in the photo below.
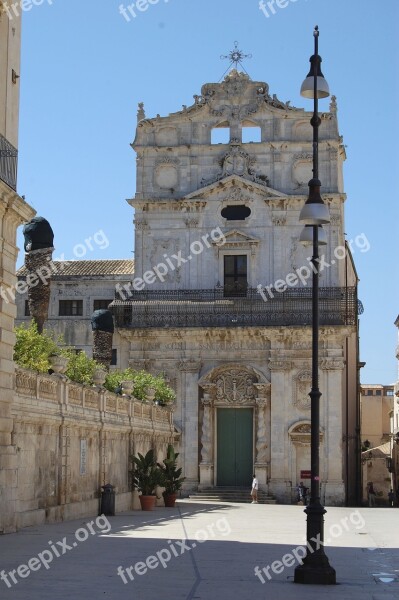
{"type": "Point", "coordinates": [391, 497]}
{"type": "Point", "coordinates": [371, 494]}
{"type": "Point", "coordinates": [254, 490]}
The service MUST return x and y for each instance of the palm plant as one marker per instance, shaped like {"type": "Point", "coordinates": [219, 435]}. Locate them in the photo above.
{"type": "Point", "coordinates": [145, 474]}
{"type": "Point", "coordinates": [171, 478]}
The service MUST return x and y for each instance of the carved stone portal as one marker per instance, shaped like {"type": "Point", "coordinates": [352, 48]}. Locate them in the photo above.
{"type": "Point", "coordinates": [233, 386]}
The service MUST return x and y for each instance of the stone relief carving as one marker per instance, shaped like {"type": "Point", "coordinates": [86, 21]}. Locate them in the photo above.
{"type": "Point", "coordinates": [236, 387]}
{"type": "Point", "coordinates": [190, 365]}
{"type": "Point", "coordinates": [237, 162]}
{"type": "Point", "coordinates": [163, 248]}
{"type": "Point", "coordinates": [261, 437]}
{"type": "Point", "coordinates": [206, 437]}
{"type": "Point", "coordinates": [301, 388]}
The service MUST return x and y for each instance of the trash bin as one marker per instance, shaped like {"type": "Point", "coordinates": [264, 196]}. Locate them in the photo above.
{"type": "Point", "coordinates": [107, 500]}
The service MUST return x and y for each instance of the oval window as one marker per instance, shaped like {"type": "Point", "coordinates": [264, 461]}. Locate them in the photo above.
{"type": "Point", "coordinates": [236, 212]}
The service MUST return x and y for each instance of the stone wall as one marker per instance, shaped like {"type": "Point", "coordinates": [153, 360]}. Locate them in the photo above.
{"type": "Point", "coordinates": [71, 439]}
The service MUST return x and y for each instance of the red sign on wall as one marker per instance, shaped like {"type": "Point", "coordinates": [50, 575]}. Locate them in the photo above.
{"type": "Point", "coordinates": [306, 474]}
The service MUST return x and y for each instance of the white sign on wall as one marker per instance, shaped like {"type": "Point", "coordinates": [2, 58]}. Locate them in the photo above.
{"type": "Point", "coordinates": [83, 456]}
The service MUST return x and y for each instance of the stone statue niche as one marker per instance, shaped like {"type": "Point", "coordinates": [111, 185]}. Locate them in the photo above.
{"type": "Point", "coordinates": [38, 245]}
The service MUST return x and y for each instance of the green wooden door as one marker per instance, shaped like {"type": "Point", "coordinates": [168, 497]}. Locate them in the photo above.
{"type": "Point", "coordinates": [234, 446]}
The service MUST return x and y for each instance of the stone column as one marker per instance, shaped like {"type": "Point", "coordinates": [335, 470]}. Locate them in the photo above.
{"type": "Point", "coordinates": [102, 325]}
{"type": "Point", "coordinates": [39, 239]}
{"type": "Point", "coordinates": [207, 467]}
{"type": "Point", "coordinates": [262, 435]}
{"type": "Point", "coordinates": [189, 369]}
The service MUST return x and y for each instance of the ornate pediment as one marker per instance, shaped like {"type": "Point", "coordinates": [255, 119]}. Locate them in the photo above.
{"type": "Point", "coordinates": [238, 239]}
{"type": "Point", "coordinates": [233, 184]}
{"type": "Point", "coordinates": [234, 384]}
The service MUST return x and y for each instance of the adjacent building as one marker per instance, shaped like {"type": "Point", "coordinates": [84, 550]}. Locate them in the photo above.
{"type": "Point", "coordinates": [78, 288]}
{"type": "Point", "coordinates": [13, 212]}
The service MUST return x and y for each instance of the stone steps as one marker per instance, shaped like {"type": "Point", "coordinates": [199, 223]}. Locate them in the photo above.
{"type": "Point", "coordinates": [239, 495]}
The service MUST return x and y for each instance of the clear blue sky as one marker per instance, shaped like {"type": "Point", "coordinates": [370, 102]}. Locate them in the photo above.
{"type": "Point", "coordinates": [85, 68]}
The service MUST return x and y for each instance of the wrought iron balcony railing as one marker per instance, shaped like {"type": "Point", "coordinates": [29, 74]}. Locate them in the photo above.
{"type": "Point", "coordinates": [8, 163]}
{"type": "Point", "coordinates": [210, 308]}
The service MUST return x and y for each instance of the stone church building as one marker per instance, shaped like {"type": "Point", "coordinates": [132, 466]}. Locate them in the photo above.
{"type": "Point", "coordinates": [221, 296]}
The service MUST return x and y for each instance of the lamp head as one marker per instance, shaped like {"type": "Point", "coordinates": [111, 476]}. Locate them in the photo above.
{"type": "Point", "coordinates": [314, 212]}
{"type": "Point", "coordinates": [307, 88]}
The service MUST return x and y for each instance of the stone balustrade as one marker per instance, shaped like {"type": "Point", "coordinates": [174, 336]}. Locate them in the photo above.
{"type": "Point", "coordinates": [71, 439]}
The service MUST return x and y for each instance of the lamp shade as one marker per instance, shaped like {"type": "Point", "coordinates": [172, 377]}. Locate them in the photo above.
{"type": "Point", "coordinates": [314, 213]}
{"type": "Point", "coordinates": [307, 88]}
{"type": "Point", "coordinates": [306, 237]}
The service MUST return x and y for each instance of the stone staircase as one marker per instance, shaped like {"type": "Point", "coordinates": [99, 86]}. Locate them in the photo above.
{"type": "Point", "coordinates": [231, 494]}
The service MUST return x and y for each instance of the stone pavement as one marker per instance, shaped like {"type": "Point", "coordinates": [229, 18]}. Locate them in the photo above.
{"type": "Point", "coordinates": [201, 551]}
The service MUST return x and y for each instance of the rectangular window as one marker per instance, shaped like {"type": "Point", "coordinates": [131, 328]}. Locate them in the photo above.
{"type": "Point", "coordinates": [369, 392]}
{"type": "Point", "coordinates": [235, 275]}
{"type": "Point", "coordinates": [389, 393]}
{"type": "Point", "coordinates": [27, 311]}
{"type": "Point", "coordinates": [71, 308]}
{"type": "Point", "coordinates": [220, 135]}
{"type": "Point", "coordinates": [101, 304]}
{"type": "Point", "coordinates": [378, 392]}
{"type": "Point", "coordinates": [114, 359]}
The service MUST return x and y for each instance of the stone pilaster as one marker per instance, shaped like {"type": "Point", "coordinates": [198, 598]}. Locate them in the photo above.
{"type": "Point", "coordinates": [262, 435]}
{"type": "Point", "coordinates": [189, 369]}
{"type": "Point", "coordinates": [332, 459]}
{"type": "Point", "coordinates": [207, 466]}
{"type": "Point", "coordinates": [13, 212]}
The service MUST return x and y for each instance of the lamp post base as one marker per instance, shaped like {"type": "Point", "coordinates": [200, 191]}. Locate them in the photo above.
{"type": "Point", "coordinates": [317, 573]}
{"type": "Point", "coordinates": [316, 568]}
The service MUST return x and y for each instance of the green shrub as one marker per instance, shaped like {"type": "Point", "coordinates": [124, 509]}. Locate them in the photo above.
{"type": "Point", "coordinates": [80, 367]}
{"type": "Point", "coordinates": [142, 382]}
{"type": "Point", "coordinates": [32, 349]}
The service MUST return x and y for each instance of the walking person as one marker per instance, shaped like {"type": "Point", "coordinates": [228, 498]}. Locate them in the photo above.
{"type": "Point", "coordinates": [391, 497]}
{"type": "Point", "coordinates": [301, 493]}
{"type": "Point", "coordinates": [397, 495]}
{"type": "Point", "coordinates": [371, 494]}
{"type": "Point", "coordinates": [254, 490]}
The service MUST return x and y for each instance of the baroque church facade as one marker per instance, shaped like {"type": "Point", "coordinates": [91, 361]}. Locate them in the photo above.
{"type": "Point", "coordinates": [220, 300]}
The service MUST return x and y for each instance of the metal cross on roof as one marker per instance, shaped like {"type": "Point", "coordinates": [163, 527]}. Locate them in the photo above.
{"type": "Point", "coordinates": [236, 57]}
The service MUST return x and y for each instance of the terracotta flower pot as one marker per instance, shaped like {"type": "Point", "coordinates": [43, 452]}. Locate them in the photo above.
{"type": "Point", "coordinates": [169, 500]}
{"type": "Point", "coordinates": [147, 502]}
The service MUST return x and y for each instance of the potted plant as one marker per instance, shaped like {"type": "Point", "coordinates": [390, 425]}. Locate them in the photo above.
{"type": "Point", "coordinates": [171, 478]}
{"type": "Point", "coordinates": [146, 476]}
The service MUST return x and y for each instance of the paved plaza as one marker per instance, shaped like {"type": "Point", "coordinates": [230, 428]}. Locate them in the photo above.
{"type": "Point", "coordinates": [200, 551]}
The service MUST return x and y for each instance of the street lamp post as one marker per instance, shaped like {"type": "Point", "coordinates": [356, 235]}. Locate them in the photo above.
{"type": "Point", "coordinates": [316, 568]}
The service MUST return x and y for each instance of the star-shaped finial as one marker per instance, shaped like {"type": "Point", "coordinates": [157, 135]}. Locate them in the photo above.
{"type": "Point", "coordinates": [236, 56]}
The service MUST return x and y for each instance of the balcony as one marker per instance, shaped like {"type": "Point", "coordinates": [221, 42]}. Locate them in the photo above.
{"type": "Point", "coordinates": [8, 163]}
{"type": "Point", "coordinates": [211, 308]}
